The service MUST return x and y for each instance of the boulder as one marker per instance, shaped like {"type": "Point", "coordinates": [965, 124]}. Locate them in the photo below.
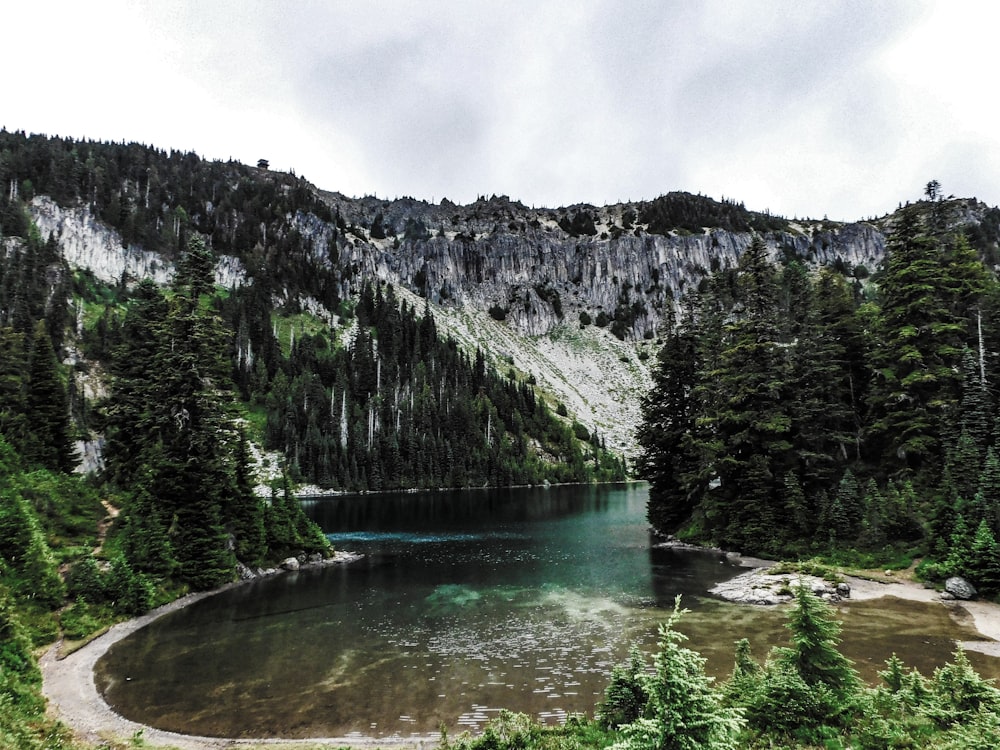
{"type": "Point", "coordinates": [844, 590]}
{"type": "Point", "coordinates": [291, 563]}
{"type": "Point", "coordinates": [960, 588]}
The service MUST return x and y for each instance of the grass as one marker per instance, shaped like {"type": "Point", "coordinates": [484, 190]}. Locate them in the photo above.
{"type": "Point", "coordinates": [300, 323]}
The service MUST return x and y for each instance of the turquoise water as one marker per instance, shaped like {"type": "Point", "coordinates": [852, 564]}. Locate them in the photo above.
{"type": "Point", "coordinates": [465, 603]}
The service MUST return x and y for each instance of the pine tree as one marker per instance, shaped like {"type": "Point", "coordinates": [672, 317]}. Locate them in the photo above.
{"type": "Point", "coordinates": [983, 565]}
{"type": "Point", "coordinates": [814, 654]}
{"type": "Point", "coordinates": [987, 498]}
{"type": "Point", "coordinates": [627, 693]}
{"type": "Point", "coordinates": [247, 510]}
{"type": "Point", "coordinates": [826, 379]}
{"type": "Point", "coordinates": [144, 538]}
{"type": "Point", "coordinates": [746, 432]}
{"type": "Point", "coordinates": [47, 407]}
{"type": "Point", "coordinates": [919, 341]}
{"type": "Point", "coordinates": [684, 711]}
{"type": "Point", "coordinates": [959, 693]}
{"type": "Point", "coordinates": [13, 387]}
{"type": "Point", "coordinates": [668, 421]}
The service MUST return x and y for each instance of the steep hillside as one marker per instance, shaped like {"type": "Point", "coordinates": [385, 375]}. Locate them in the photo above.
{"type": "Point", "coordinates": [574, 296]}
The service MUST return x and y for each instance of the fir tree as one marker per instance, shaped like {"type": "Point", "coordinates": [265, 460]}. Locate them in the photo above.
{"type": "Point", "coordinates": [47, 407]}
{"type": "Point", "coordinates": [684, 711]}
{"type": "Point", "coordinates": [814, 654]}
{"type": "Point", "coordinates": [668, 413]}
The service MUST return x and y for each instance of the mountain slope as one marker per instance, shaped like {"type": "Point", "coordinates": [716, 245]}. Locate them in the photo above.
{"type": "Point", "coordinates": [574, 296]}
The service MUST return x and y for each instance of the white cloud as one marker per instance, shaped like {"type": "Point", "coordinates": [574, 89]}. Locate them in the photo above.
{"type": "Point", "coordinates": [806, 108]}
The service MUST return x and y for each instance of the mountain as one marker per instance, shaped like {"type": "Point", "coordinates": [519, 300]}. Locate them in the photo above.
{"type": "Point", "coordinates": [573, 297]}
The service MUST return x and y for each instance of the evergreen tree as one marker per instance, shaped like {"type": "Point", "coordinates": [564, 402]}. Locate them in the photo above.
{"type": "Point", "coordinates": [826, 379]}
{"type": "Point", "coordinates": [627, 694]}
{"type": "Point", "coordinates": [47, 407]}
{"type": "Point", "coordinates": [684, 711]}
{"type": "Point", "coordinates": [247, 510]}
{"type": "Point", "coordinates": [918, 349]}
{"type": "Point", "coordinates": [983, 564]}
{"type": "Point", "coordinates": [959, 694]}
{"type": "Point", "coordinates": [814, 654]}
{"type": "Point", "coordinates": [748, 427]}
{"type": "Point", "coordinates": [145, 542]}
{"type": "Point", "coordinates": [13, 387]}
{"type": "Point", "coordinates": [668, 421]}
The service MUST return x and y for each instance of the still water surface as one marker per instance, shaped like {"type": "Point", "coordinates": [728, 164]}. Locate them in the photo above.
{"type": "Point", "coordinates": [465, 603]}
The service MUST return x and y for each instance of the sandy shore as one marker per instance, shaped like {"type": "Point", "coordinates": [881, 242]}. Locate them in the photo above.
{"type": "Point", "coordinates": [73, 698]}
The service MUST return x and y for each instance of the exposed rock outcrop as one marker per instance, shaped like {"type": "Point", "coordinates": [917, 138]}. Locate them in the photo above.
{"type": "Point", "coordinates": [574, 296]}
{"type": "Point", "coordinates": [758, 586]}
{"type": "Point", "coordinates": [960, 588]}
{"type": "Point", "coordinates": [86, 242]}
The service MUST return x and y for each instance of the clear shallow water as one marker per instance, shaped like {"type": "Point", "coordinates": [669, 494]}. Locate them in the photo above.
{"type": "Point", "coordinates": [466, 602]}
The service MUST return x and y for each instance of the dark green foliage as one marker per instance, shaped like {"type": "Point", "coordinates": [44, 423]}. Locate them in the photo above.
{"type": "Point", "coordinates": [172, 439]}
{"type": "Point", "coordinates": [684, 710]}
{"type": "Point", "coordinates": [925, 294]}
{"type": "Point", "coordinates": [402, 407]}
{"type": "Point", "coordinates": [130, 593]}
{"type": "Point", "coordinates": [25, 558]}
{"type": "Point", "coordinates": [144, 538]}
{"type": "Point", "coordinates": [802, 422]}
{"type": "Point", "coordinates": [117, 586]}
{"type": "Point", "coordinates": [13, 387]}
{"type": "Point", "coordinates": [668, 423]}
{"type": "Point", "coordinates": [579, 223]}
{"type": "Point", "coordinates": [47, 409]}
{"type": "Point", "coordinates": [983, 562]}
{"type": "Point", "coordinates": [627, 694]}
{"type": "Point", "coordinates": [20, 678]}
{"type": "Point", "coordinates": [85, 582]}
{"type": "Point", "coordinates": [959, 693]}
{"type": "Point", "coordinates": [814, 654]}
{"type": "Point", "coordinates": [693, 213]}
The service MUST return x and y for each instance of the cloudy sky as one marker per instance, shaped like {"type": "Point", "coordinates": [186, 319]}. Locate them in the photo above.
{"type": "Point", "coordinates": [804, 108]}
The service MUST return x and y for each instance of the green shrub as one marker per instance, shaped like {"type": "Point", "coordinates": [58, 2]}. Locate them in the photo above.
{"type": "Point", "coordinates": [78, 622]}
{"type": "Point", "coordinates": [627, 693]}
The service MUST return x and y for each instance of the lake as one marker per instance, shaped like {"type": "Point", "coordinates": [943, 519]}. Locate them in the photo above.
{"type": "Point", "coordinates": [466, 602]}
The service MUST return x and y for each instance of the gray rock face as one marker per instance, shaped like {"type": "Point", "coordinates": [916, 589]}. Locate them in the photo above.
{"type": "Point", "coordinates": [87, 243]}
{"type": "Point", "coordinates": [499, 260]}
{"type": "Point", "coordinates": [960, 588]}
{"type": "Point", "coordinates": [502, 255]}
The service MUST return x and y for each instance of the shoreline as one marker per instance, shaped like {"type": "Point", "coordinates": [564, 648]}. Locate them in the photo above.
{"type": "Point", "coordinates": [72, 696]}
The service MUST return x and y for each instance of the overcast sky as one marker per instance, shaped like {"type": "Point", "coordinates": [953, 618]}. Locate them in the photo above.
{"type": "Point", "coordinates": [805, 108]}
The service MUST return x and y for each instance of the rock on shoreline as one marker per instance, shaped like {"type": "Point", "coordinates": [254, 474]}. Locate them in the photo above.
{"type": "Point", "coordinates": [758, 586]}
{"type": "Point", "coordinates": [315, 560]}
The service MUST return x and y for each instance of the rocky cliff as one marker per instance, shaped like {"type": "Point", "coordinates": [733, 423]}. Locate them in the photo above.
{"type": "Point", "coordinates": [574, 296]}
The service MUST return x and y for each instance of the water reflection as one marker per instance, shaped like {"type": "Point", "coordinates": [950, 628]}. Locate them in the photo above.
{"type": "Point", "coordinates": [464, 604]}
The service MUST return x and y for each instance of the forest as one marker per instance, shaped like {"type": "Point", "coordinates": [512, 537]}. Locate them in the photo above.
{"type": "Point", "coordinates": [799, 414]}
